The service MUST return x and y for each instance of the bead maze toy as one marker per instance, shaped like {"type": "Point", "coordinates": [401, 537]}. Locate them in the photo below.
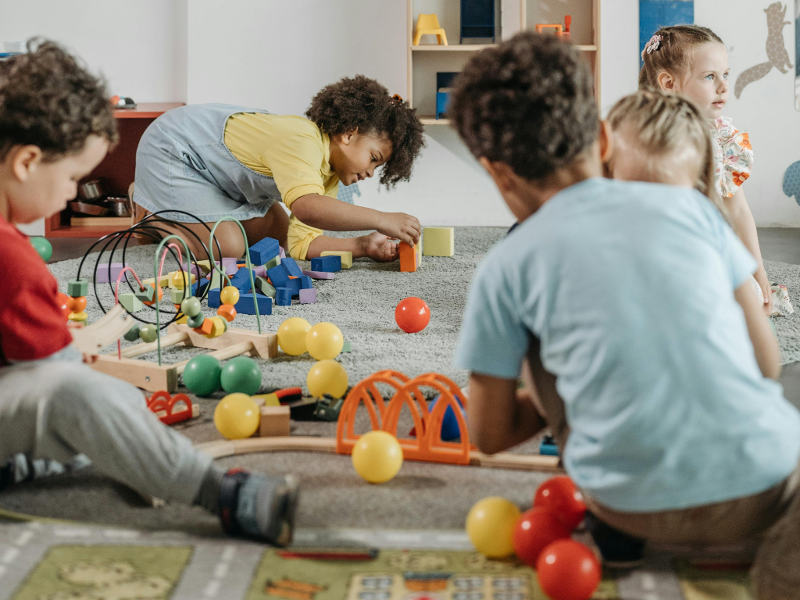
{"type": "Point", "coordinates": [157, 376]}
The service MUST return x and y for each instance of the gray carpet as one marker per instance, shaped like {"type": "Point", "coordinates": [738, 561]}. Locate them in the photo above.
{"type": "Point", "coordinates": [361, 302]}
{"type": "Point", "coordinates": [787, 327]}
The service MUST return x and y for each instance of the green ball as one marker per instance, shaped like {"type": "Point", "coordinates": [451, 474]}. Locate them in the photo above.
{"type": "Point", "coordinates": [201, 375]}
{"type": "Point", "coordinates": [191, 306]}
{"type": "Point", "coordinates": [42, 247]}
{"type": "Point", "coordinates": [241, 374]}
{"type": "Point", "coordinates": [148, 333]}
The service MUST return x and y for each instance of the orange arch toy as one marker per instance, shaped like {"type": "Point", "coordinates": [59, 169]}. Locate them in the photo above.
{"type": "Point", "coordinates": [428, 444]}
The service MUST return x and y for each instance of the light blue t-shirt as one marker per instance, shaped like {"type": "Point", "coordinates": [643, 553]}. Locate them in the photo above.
{"type": "Point", "coordinates": [629, 288]}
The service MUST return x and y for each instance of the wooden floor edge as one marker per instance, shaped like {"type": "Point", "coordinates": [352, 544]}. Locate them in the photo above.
{"type": "Point", "coordinates": [503, 460]}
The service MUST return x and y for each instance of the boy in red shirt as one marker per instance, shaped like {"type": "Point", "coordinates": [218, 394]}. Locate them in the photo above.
{"type": "Point", "coordinates": [56, 125]}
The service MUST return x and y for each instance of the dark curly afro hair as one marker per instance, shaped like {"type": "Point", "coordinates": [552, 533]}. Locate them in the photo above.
{"type": "Point", "coordinates": [51, 101]}
{"type": "Point", "coordinates": [364, 104]}
{"type": "Point", "coordinates": [528, 102]}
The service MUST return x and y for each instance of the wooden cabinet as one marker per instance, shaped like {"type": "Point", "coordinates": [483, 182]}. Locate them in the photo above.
{"type": "Point", "coordinates": [116, 170]}
{"type": "Point", "coordinates": [427, 59]}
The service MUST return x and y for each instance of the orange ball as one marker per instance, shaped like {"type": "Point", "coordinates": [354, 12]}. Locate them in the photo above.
{"type": "Point", "coordinates": [63, 302]}
{"type": "Point", "coordinates": [568, 570]}
{"type": "Point", "coordinates": [77, 304]}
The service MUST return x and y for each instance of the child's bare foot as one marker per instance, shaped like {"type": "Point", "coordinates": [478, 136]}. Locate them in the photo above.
{"type": "Point", "coordinates": [378, 247]}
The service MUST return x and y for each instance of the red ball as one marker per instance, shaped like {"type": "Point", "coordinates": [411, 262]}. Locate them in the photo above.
{"type": "Point", "coordinates": [560, 495]}
{"type": "Point", "coordinates": [568, 570]}
{"type": "Point", "coordinates": [535, 529]}
{"type": "Point", "coordinates": [63, 302]}
{"type": "Point", "coordinates": [412, 314]}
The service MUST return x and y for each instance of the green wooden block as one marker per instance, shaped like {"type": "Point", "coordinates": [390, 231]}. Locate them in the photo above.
{"type": "Point", "coordinates": [265, 287]}
{"type": "Point", "coordinates": [77, 288]}
{"type": "Point", "coordinates": [130, 303]}
{"type": "Point", "coordinates": [273, 262]}
{"type": "Point", "coordinates": [177, 295]}
{"type": "Point", "coordinates": [132, 334]}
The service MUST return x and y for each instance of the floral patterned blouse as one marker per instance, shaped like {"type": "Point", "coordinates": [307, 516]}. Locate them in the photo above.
{"type": "Point", "coordinates": [733, 156]}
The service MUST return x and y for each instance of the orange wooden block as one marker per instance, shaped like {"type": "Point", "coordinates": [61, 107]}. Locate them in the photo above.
{"type": "Point", "coordinates": [410, 256]}
{"type": "Point", "coordinates": [206, 328]}
{"type": "Point", "coordinates": [227, 311]}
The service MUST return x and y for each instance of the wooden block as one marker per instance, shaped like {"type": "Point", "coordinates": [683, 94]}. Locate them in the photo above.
{"type": "Point", "coordinates": [410, 256]}
{"type": "Point", "coordinates": [308, 296]}
{"type": "Point", "coordinates": [130, 302]}
{"type": "Point", "coordinates": [274, 421]}
{"type": "Point", "coordinates": [439, 241]}
{"type": "Point", "coordinates": [163, 281]}
{"type": "Point", "coordinates": [319, 274]}
{"type": "Point", "coordinates": [267, 399]}
{"type": "Point", "coordinates": [347, 256]}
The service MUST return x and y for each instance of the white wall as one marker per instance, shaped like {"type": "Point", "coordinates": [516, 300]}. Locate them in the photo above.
{"type": "Point", "coordinates": [278, 53]}
{"type": "Point", "coordinates": [140, 47]}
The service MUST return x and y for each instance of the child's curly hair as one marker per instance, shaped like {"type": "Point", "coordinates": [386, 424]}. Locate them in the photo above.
{"type": "Point", "coordinates": [528, 102]}
{"type": "Point", "coordinates": [364, 104]}
{"type": "Point", "coordinates": [669, 50]}
{"type": "Point", "coordinates": [51, 101]}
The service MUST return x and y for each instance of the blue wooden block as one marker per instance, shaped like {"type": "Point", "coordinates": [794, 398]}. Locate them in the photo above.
{"type": "Point", "coordinates": [283, 296]}
{"type": "Point", "coordinates": [199, 287]}
{"type": "Point", "coordinates": [306, 282]}
{"type": "Point", "coordinates": [241, 280]}
{"type": "Point", "coordinates": [294, 284]}
{"type": "Point", "coordinates": [213, 298]}
{"type": "Point", "coordinates": [247, 302]}
{"type": "Point", "coordinates": [331, 263]}
{"type": "Point", "coordinates": [278, 275]}
{"type": "Point", "coordinates": [291, 267]}
{"type": "Point", "coordinates": [263, 250]}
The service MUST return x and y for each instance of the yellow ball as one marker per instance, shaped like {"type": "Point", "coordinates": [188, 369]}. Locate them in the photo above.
{"type": "Point", "coordinates": [292, 335]}
{"type": "Point", "coordinates": [327, 377]}
{"type": "Point", "coordinates": [237, 416]}
{"type": "Point", "coordinates": [324, 340]}
{"type": "Point", "coordinates": [377, 456]}
{"type": "Point", "coordinates": [229, 295]}
{"type": "Point", "coordinates": [490, 526]}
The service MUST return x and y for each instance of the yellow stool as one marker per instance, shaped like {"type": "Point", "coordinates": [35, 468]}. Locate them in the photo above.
{"type": "Point", "coordinates": [428, 24]}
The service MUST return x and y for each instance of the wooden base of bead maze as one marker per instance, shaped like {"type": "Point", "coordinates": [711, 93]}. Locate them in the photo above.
{"type": "Point", "coordinates": [151, 376]}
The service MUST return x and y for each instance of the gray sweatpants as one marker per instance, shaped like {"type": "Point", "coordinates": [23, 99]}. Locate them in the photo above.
{"type": "Point", "coordinates": [59, 407]}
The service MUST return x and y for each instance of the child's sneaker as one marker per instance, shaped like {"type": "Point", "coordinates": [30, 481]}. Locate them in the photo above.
{"type": "Point", "coordinates": [258, 506]}
{"type": "Point", "coordinates": [20, 467]}
{"type": "Point", "coordinates": [618, 549]}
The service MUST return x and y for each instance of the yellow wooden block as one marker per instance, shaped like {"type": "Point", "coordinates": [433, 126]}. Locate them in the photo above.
{"type": "Point", "coordinates": [439, 241]}
{"type": "Point", "coordinates": [347, 256]}
{"type": "Point", "coordinates": [177, 279]}
{"type": "Point", "coordinates": [267, 399]}
{"type": "Point", "coordinates": [162, 281]}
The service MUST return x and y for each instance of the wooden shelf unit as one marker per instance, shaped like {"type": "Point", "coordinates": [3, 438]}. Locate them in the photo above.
{"type": "Point", "coordinates": [116, 169]}
{"type": "Point", "coordinates": [424, 60]}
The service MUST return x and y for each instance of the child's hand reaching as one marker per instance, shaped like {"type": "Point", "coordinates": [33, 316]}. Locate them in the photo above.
{"type": "Point", "coordinates": [400, 226]}
{"type": "Point", "coordinates": [379, 247]}
{"type": "Point", "coordinates": [761, 278]}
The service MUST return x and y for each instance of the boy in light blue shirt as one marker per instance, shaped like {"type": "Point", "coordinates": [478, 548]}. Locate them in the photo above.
{"type": "Point", "coordinates": [627, 309]}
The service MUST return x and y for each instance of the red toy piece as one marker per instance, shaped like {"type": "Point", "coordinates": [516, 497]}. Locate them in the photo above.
{"type": "Point", "coordinates": [560, 495]}
{"type": "Point", "coordinates": [536, 529]}
{"type": "Point", "coordinates": [412, 314]}
{"type": "Point", "coordinates": [63, 303]}
{"type": "Point", "coordinates": [568, 570]}
{"type": "Point", "coordinates": [163, 405]}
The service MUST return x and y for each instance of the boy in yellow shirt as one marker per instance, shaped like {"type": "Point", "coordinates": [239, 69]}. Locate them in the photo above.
{"type": "Point", "coordinates": [214, 160]}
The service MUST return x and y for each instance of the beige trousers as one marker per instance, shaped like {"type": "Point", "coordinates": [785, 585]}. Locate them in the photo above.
{"type": "Point", "coordinates": [771, 518]}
